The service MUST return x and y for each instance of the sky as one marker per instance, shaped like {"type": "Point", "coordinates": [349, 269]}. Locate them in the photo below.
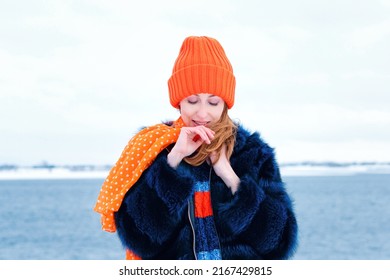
{"type": "Point", "coordinates": [79, 78]}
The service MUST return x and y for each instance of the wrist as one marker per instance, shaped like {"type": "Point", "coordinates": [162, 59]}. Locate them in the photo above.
{"type": "Point", "coordinates": [232, 181]}
{"type": "Point", "coordinates": [229, 177]}
{"type": "Point", "coordinates": [174, 159]}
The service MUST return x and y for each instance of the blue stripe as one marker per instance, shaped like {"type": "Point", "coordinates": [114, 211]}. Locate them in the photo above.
{"type": "Point", "coordinates": [206, 238]}
{"type": "Point", "coordinates": [202, 187]}
{"type": "Point", "coordinates": [210, 255]}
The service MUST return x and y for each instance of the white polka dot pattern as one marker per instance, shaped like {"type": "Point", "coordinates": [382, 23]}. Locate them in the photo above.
{"type": "Point", "coordinates": [137, 156]}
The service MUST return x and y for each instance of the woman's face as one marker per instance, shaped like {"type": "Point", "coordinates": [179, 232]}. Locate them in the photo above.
{"type": "Point", "coordinates": [201, 109]}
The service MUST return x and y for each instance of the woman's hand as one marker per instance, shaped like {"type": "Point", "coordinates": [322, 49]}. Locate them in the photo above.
{"type": "Point", "coordinates": [224, 170]}
{"type": "Point", "coordinates": [190, 139]}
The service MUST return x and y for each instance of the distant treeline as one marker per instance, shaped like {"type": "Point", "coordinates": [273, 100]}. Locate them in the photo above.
{"type": "Point", "coordinates": [334, 164]}
{"type": "Point", "coordinates": [91, 167]}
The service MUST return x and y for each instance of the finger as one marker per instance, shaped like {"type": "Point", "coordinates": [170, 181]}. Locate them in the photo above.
{"type": "Point", "coordinates": [202, 137]}
{"type": "Point", "coordinates": [197, 137]}
{"type": "Point", "coordinates": [200, 132]}
{"type": "Point", "coordinates": [208, 132]}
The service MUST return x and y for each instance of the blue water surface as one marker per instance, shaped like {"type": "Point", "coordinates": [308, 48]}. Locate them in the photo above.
{"type": "Point", "coordinates": [340, 217]}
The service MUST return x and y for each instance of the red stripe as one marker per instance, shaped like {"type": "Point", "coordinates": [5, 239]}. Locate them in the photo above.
{"type": "Point", "coordinates": [202, 203]}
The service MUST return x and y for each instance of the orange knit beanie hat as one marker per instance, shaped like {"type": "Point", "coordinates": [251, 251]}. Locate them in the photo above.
{"type": "Point", "coordinates": [201, 67]}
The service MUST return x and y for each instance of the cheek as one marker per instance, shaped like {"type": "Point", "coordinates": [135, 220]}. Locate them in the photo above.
{"type": "Point", "coordinates": [217, 112]}
{"type": "Point", "coordinates": [186, 115]}
{"type": "Point", "coordinates": [186, 119]}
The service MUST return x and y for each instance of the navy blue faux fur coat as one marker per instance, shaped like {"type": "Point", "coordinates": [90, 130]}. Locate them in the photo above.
{"type": "Point", "coordinates": [257, 222]}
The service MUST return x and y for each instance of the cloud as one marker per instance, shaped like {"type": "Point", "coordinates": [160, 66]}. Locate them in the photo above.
{"type": "Point", "coordinates": [365, 38]}
{"type": "Point", "coordinates": [89, 73]}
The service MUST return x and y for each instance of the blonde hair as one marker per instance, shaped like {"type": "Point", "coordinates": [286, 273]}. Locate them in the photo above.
{"type": "Point", "coordinates": [225, 133]}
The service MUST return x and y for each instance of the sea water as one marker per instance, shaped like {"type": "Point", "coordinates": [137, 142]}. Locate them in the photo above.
{"type": "Point", "coordinates": [339, 217]}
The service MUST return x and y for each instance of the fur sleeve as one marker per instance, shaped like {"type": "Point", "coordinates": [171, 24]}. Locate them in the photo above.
{"type": "Point", "coordinates": [150, 213]}
{"type": "Point", "coordinates": [273, 230]}
{"type": "Point", "coordinates": [260, 215]}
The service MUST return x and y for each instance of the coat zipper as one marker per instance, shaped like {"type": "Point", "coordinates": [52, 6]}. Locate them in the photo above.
{"type": "Point", "coordinates": [190, 211]}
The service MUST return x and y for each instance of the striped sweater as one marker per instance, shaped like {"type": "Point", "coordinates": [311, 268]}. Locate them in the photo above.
{"type": "Point", "coordinates": [206, 243]}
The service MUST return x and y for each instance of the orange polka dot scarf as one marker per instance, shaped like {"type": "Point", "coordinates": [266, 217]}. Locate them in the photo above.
{"type": "Point", "coordinates": [137, 156]}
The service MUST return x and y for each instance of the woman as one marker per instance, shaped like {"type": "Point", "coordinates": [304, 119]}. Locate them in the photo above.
{"type": "Point", "coordinates": [201, 187]}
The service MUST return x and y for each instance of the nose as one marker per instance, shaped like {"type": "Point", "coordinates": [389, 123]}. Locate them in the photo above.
{"type": "Point", "coordinates": [202, 112]}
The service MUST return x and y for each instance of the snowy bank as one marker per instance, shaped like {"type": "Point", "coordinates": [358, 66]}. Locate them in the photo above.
{"type": "Point", "coordinates": [91, 172]}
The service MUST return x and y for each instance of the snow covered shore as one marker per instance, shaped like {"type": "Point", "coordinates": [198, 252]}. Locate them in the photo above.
{"type": "Point", "coordinates": [90, 172]}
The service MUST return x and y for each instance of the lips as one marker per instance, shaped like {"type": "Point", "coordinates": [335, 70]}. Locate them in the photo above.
{"type": "Point", "coordinates": [198, 123]}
